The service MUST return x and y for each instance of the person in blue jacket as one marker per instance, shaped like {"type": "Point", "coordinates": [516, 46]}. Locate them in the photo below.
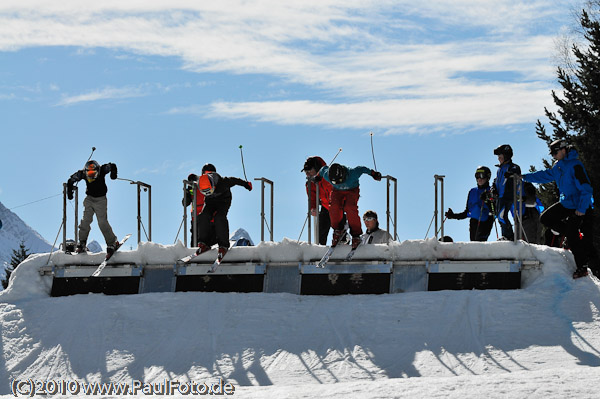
{"type": "Point", "coordinates": [344, 198]}
{"type": "Point", "coordinates": [503, 189]}
{"type": "Point", "coordinates": [477, 208]}
{"type": "Point", "coordinates": [573, 214]}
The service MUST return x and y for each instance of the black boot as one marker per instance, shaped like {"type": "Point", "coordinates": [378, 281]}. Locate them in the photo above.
{"type": "Point", "coordinates": [81, 248]}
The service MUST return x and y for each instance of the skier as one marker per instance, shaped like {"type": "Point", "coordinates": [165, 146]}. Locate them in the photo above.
{"type": "Point", "coordinates": [189, 197]}
{"type": "Point", "coordinates": [374, 234]}
{"type": "Point", "coordinates": [478, 207]}
{"type": "Point", "coordinates": [573, 214]}
{"type": "Point", "coordinates": [503, 189]}
{"type": "Point", "coordinates": [344, 198]}
{"type": "Point", "coordinates": [95, 202]}
{"type": "Point", "coordinates": [533, 207]}
{"type": "Point", "coordinates": [312, 165]}
{"type": "Point", "coordinates": [217, 201]}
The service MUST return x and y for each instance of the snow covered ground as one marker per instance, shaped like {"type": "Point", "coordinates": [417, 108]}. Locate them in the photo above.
{"type": "Point", "coordinates": [540, 341]}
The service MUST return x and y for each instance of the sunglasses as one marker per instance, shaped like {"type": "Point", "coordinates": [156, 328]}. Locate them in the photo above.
{"type": "Point", "coordinates": [369, 219]}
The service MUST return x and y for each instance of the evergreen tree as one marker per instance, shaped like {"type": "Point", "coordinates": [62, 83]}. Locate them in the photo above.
{"type": "Point", "coordinates": [18, 256]}
{"type": "Point", "coordinates": [578, 108]}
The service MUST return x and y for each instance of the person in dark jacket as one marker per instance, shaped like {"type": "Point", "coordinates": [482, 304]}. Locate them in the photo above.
{"type": "Point", "coordinates": [311, 168]}
{"type": "Point", "coordinates": [189, 198]}
{"type": "Point", "coordinates": [217, 201]}
{"type": "Point", "coordinates": [573, 214]}
{"type": "Point", "coordinates": [477, 208]}
{"type": "Point", "coordinates": [344, 198]}
{"type": "Point", "coordinates": [503, 189]}
{"type": "Point", "coordinates": [95, 202]}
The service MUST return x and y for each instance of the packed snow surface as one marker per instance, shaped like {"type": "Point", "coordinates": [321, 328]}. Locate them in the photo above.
{"type": "Point", "coordinates": [540, 341]}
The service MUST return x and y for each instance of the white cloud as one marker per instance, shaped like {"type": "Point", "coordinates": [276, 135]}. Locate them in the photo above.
{"type": "Point", "coordinates": [357, 53]}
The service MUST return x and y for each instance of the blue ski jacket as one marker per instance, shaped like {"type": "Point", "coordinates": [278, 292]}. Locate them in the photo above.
{"type": "Point", "coordinates": [572, 180]}
{"type": "Point", "coordinates": [504, 185]}
{"type": "Point", "coordinates": [476, 208]}
{"type": "Point", "coordinates": [352, 179]}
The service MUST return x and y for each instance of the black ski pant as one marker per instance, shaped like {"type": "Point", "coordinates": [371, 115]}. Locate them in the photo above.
{"type": "Point", "coordinates": [567, 223]}
{"type": "Point", "coordinates": [216, 211]}
{"type": "Point", "coordinates": [213, 235]}
{"type": "Point", "coordinates": [503, 206]}
{"type": "Point", "coordinates": [480, 231]}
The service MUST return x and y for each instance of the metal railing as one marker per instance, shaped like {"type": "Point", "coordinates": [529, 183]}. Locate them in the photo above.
{"type": "Point", "coordinates": [64, 221]}
{"type": "Point", "coordinates": [390, 179]}
{"type": "Point", "coordinates": [262, 208]}
{"type": "Point", "coordinates": [439, 217]}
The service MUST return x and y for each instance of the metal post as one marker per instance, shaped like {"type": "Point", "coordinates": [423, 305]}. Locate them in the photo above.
{"type": "Point", "coordinates": [194, 185]}
{"type": "Point", "coordinates": [317, 210]}
{"type": "Point", "coordinates": [76, 221]}
{"type": "Point", "coordinates": [147, 188]}
{"type": "Point", "coordinates": [64, 216]}
{"type": "Point", "coordinates": [262, 207]}
{"type": "Point", "coordinates": [309, 180]}
{"type": "Point", "coordinates": [388, 216]}
{"type": "Point", "coordinates": [518, 208]}
{"type": "Point", "coordinates": [439, 179]}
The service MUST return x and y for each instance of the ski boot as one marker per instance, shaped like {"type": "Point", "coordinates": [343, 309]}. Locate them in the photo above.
{"type": "Point", "coordinates": [81, 248]}
{"type": "Point", "coordinates": [202, 247]}
{"type": "Point", "coordinates": [222, 252]}
{"type": "Point", "coordinates": [356, 242]}
{"type": "Point", "coordinates": [337, 235]}
{"type": "Point", "coordinates": [580, 272]}
{"type": "Point", "coordinates": [110, 250]}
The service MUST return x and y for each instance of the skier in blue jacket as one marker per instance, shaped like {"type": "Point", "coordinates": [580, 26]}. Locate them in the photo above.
{"type": "Point", "coordinates": [573, 214]}
{"type": "Point", "coordinates": [503, 189]}
{"type": "Point", "coordinates": [477, 208]}
{"type": "Point", "coordinates": [344, 198]}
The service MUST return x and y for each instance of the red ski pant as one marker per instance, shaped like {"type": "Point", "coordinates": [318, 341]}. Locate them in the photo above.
{"type": "Point", "coordinates": [345, 202]}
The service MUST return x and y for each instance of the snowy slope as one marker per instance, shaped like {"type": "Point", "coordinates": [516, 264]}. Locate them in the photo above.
{"type": "Point", "coordinates": [540, 341]}
{"type": "Point", "coordinates": [13, 231]}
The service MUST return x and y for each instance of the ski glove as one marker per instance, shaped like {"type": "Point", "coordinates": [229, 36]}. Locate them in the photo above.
{"type": "Point", "coordinates": [509, 174]}
{"type": "Point", "coordinates": [70, 194]}
{"type": "Point", "coordinates": [248, 186]}
{"type": "Point", "coordinates": [376, 175]}
{"type": "Point", "coordinates": [318, 178]}
{"type": "Point", "coordinates": [113, 171]}
{"type": "Point", "coordinates": [450, 214]}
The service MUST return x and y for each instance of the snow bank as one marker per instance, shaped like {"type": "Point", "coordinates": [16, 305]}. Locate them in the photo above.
{"type": "Point", "coordinates": [27, 282]}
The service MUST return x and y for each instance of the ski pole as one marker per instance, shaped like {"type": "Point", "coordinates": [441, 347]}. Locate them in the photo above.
{"type": "Point", "coordinates": [373, 152]}
{"type": "Point", "coordinates": [336, 155]}
{"type": "Point", "coordinates": [243, 166]}
{"type": "Point", "coordinates": [90, 157]}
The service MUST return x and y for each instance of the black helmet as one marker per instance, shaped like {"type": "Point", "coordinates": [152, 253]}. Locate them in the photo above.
{"type": "Point", "coordinates": [192, 177]}
{"type": "Point", "coordinates": [337, 173]}
{"type": "Point", "coordinates": [505, 150]}
{"type": "Point", "coordinates": [91, 169]}
{"type": "Point", "coordinates": [312, 163]}
{"type": "Point", "coordinates": [483, 171]}
{"type": "Point", "coordinates": [557, 145]}
{"type": "Point", "coordinates": [209, 167]}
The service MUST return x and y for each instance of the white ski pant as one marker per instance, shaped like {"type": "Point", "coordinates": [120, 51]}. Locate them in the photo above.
{"type": "Point", "coordinates": [99, 207]}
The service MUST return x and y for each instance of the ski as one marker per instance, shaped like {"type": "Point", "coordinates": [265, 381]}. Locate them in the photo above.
{"type": "Point", "coordinates": [108, 256]}
{"type": "Point", "coordinates": [351, 254]}
{"type": "Point", "coordinates": [218, 261]}
{"type": "Point", "coordinates": [325, 257]}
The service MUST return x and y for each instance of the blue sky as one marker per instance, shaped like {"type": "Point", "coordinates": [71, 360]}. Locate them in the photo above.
{"type": "Point", "coordinates": [162, 87]}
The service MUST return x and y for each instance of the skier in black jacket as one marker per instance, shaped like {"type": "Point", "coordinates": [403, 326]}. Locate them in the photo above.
{"type": "Point", "coordinates": [217, 201]}
{"type": "Point", "coordinates": [95, 202]}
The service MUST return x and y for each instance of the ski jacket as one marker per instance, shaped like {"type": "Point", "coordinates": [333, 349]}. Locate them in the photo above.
{"type": "Point", "coordinates": [222, 193]}
{"type": "Point", "coordinates": [98, 187]}
{"type": "Point", "coordinates": [352, 178]}
{"type": "Point", "coordinates": [377, 236]}
{"type": "Point", "coordinates": [476, 208]}
{"type": "Point", "coordinates": [189, 198]}
{"type": "Point", "coordinates": [324, 189]}
{"type": "Point", "coordinates": [504, 185]}
{"type": "Point", "coordinates": [572, 180]}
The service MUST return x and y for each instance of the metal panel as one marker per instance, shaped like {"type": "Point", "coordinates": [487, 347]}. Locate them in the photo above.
{"type": "Point", "coordinates": [493, 266]}
{"type": "Point", "coordinates": [283, 278]}
{"type": "Point", "coordinates": [86, 271]}
{"type": "Point", "coordinates": [346, 268]}
{"type": "Point", "coordinates": [409, 278]}
{"type": "Point", "coordinates": [158, 280]}
{"type": "Point", "coordinates": [197, 269]}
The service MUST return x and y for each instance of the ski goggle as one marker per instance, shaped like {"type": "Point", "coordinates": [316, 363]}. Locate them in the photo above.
{"type": "Point", "coordinates": [208, 191]}
{"type": "Point", "coordinates": [480, 175]}
{"type": "Point", "coordinates": [369, 219]}
{"type": "Point", "coordinates": [91, 174]}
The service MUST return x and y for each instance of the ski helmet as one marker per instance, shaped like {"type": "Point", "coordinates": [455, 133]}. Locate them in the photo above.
{"type": "Point", "coordinates": [483, 172]}
{"type": "Point", "coordinates": [315, 163]}
{"type": "Point", "coordinates": [558, 145]}
{"type": "Point", "coordinates": [206, 184]}
{"type": "Point", "coordinates": [505, 150]}
{"type": "Point", "coordinates": [209, 167]}
{"type": "Point", "coordinates": [338, 173]}
{"type": "Point", "coordinates": [91, 169]}
{"type": "Point", "coordinates": [192, 177]}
